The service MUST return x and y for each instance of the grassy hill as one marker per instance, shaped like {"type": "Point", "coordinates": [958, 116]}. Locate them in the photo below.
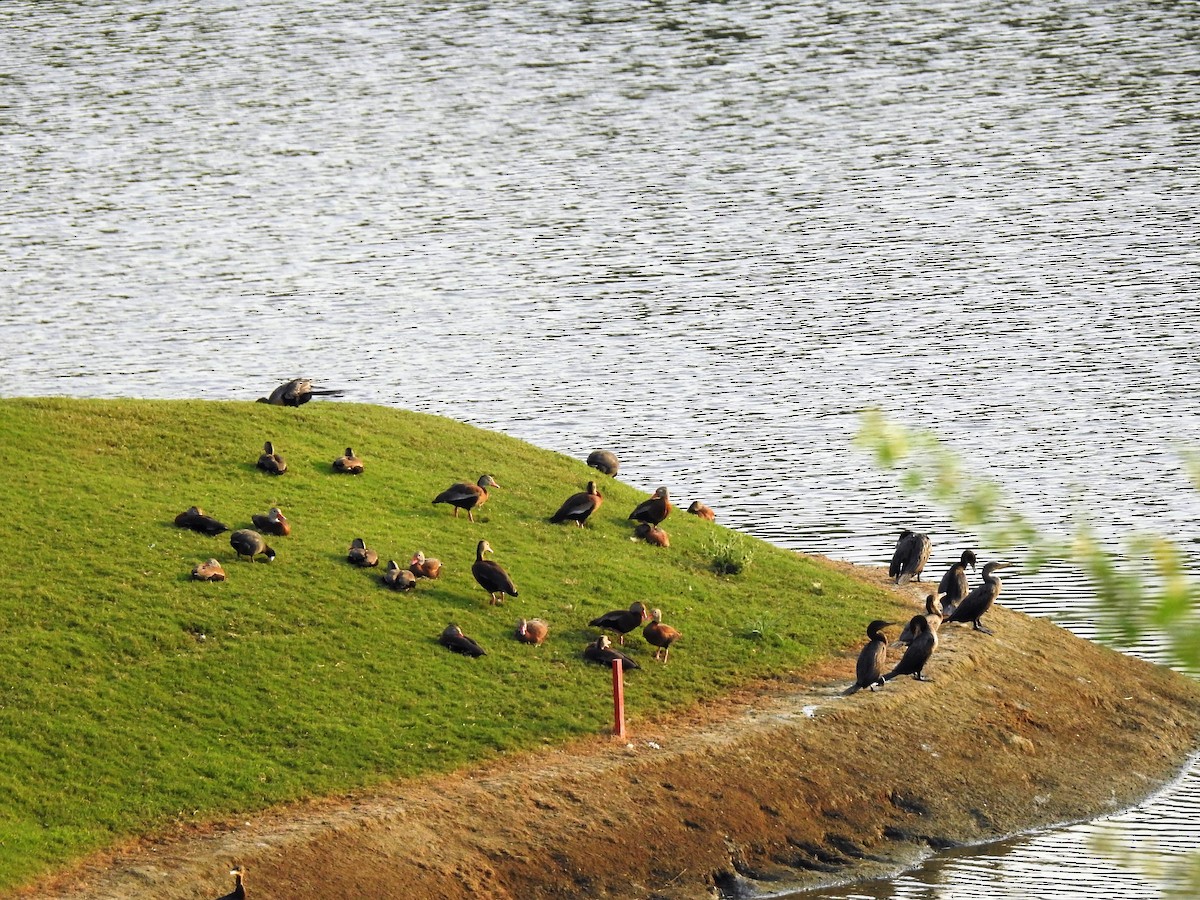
{"type": "Point", "coordinates": [132, 696]}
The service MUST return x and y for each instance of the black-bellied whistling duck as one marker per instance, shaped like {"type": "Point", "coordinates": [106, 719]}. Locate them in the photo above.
{"type": "Point", "coordinates": [954, 583]}
{"type": "Point", "coordinates": [603, 652]}
{"type": "Point", "coordinates": [604, 460]}
{"type": "Point", "coordinates": [653, 510]}
{"type": "Point", "coordinates": [972, 607]}
{"type": "Point", "coordinates": [348, 463]}
{"type": "Point", "coordinates": [270, 461]}
{"type": "Point", "coordinates": [454, 639]}
{"type": "Point", "coordinates": [467, 496]}
{"type": "Point", "coordinates": [652, 534]}
{"type": "Point", "coordinates": [424, 567]}
{"type": "Point", "coordinates": [532, 631]}
{"type": "Point", "coordinates": [578, 507]}
{"type": "Point", "coordinates": [659, 635]}
{"type": "Point", "coordinates": [871, 659]}
{"type": "Point", "coordinates": [297, 392]}
{"type": "Point", "coordinates": [195, 518]}
{"type": "Point", "coordinates": [250, 543]}
{"type": "Point", "coordinates": [908, 561]}
{"type": "Point", "coordinates": [622, 621]}
{"type": "Point", "coordinates": [272, 522]}
{"type": "Point", "coordinates": [399, 579]}
{"type": "Point", "coordinates": [209, 571]}
{"type": "Point", "coordinates": [920, 648]}
{"type": "Point", "coordinates": [491, 577]}
{"type": "Point", "coordinates": [239, 885]}
{"type": "Point", "coordinates": [361, 555]}
{"type": "Point", "coordinates": [704, 512]}
{"type": "Point", "coordinates": [933, 615]}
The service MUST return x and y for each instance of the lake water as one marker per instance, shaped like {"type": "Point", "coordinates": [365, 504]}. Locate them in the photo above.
{"type": "Point", "coordinates": [702, 234]}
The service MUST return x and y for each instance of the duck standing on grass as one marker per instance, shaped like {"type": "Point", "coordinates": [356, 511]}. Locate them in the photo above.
{"type": "Point", "coordinates": [622, 621]}
{"type": "Point", "coordinates": [348, 463]}
{"type": "Point", "coordinates": [249, 543]}
{"type": "Point", "coordinates": [653, 510]}
{"type": "Point", "coordinates": [601, 651]}
{"type": "Point", "coordinates": [270, 461]}
{"type": "Point", "coordinates": [398, 579]}
{"type": "Point", "coordinates": [871, 659]}
{"type": "Point", "coordinates": [464, 495]}
{"type": "Point", "coordinates": [659, 635]}
{"type": "Point", "coordinates": [578, 507]}
{"type": "Point", "coordinates": [491, 577]}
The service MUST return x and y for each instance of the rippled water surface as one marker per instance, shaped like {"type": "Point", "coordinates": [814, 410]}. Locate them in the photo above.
{"type": "Point", "coordinates": [704, 235]}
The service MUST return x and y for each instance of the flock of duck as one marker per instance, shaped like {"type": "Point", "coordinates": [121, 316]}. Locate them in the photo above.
{"type": "Point", "coordinates": [251, 543]}
{"type": "Point", "coordinates": [954, 601]}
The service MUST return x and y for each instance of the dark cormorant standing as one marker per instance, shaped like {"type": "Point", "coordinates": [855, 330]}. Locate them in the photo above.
{"type": "Point", "coordinates": [912, 552]}
{"type": "Point", "coordinates": [578, 507]}
{"type": "Point", "coordinates": [464, 495]}
{"type": "Point", "coordinates": [919, 650]}
{"type": "Point", "coordinates": [653, 510]}
{"type": "Point", "coordinates": [979, 601]}
{"type": "Point", "coordinates": [622, 621]}
{"type": "Point", "coordinates": [490, 576]}
{"type": "Point", "coordinates": [869, 669]}
{"type": "Point", "coordinates": [297, 392]}
{"type": "Point", "coordinates": [954, 583]}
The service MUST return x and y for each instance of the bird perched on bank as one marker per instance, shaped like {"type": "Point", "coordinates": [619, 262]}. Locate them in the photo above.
{"type": "Point", "coordinates": [920, 648]}
{"type": "Point", "coordinates": [652, 534]}
{"type": "Point", "coordinates": [953, 585]}
{"type": "Point", "coordinates": [604, 460]}
{"type": "Point", "coordinates": [491, 577]}
{"type": "Point", "coordinates": [912, 552]}
{"type": "Point", "coordinates": [704, 512]}
{"type": "Point", "coordinates": [871, 659]}
{"type": "Point", "coordinates": [208, 571]}
{"type": "Point", "coordinates": [659, 635]}
{"type": "Point", "coordinates": [195, 518]}
{"type": "Point", "coordinates": [654, 509]}
{"type": "Point", "coordinates": [297, 392]}
{"type": "Point", "coordinates": [454, 639]}
{"type": "Point", "coordinates": [578, 507]}
{"type": "Point", "coordinates": [270, 461]}
{"type": "Point", "coordinates": [973, 606]}
{"type": "Point", "coordinates": [622, 621]}
{"type": "Point", "coordinates": [933, 615]}
{"type": "Point", "coordinates": [250, 543]}
{"type": "Point", "coordinates": [398, 579]}
{"type": "Point", "coordinates": [602, 651]}
{"type": "Point", "coordinates": [272, 522]}
{"type": "Point", "coordinates": [361, 555]}
{"type": "Point", "coordinates": [423, 567]}
{"type": "Point", "coordinates": [239, 885]}
{"type": "Point", "coordinates": [348, 463]}
{"type": "Point", "coordinates": [464, 495]}
{"type": "Point", "coordinates": [532, 631]}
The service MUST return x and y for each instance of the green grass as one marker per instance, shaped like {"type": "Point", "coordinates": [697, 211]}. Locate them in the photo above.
{"type": "Point", "coordinates": [132, 697]}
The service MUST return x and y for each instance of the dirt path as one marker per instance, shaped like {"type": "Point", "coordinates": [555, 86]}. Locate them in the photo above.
{"type": "Point", "coordinates": [789, 783]}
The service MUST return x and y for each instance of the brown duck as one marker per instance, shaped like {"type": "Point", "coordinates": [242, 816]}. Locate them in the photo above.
{"type": "Point", "coordinates": [491, 577]}
{"type": "Point", "coordinates": [622, 621]}
{"type": "Point", "coordinates": [653, 510]}
{"type": "Point", "coordinates": [272, 522]}
{"type": "Point", "coordinates": [297, 392]}
{"type": "Point", "coordinates": [602, 651]}
{"type": "Point", "coordinates": [652, 534]}
{"type": "Point", "coordinates": [209, 571]}
{"type": "Point", "coordinates": [463, 495]}
{"type": "Point", "coordinates": [578, 507]}
{"type": "Point", "coordinates": [270, 461]}
{"type": "Point", "coordinates": [532, 631]}
{"type": "Point", "coordinates": [399, 579]}
{"type": "Point", "coordinates": [250, 543]}
{"type": "Point", "coordinates": [704, 512]}
{"type": "Point", "coordinates": [424, 567]}
{"type": "Point", "coordinates": [361, 555]}
{"type": "Point", "coordinates": [660, 635]}
{"type": "Point", "coordinates": [454, 639]}
{"type": "Point", "coordinates": [604, 460]}
{"type": "Point", "coordinates": [195, 518]}
{"type": "Point", "coordinates": [348, 463]}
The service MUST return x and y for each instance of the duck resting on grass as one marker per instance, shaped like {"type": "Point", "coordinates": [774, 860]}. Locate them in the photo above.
{"type": "Point", "coordinates": [652, 535]}
{"type": "Point", "coordinates": [272, 522]}
{"type": "Point", "coordinates": [424, 567]}
{"type": "Point", "coordinates": [398, 579]}
{"type": "Point", "coordinates": [491, 577]}
{"type": "Point", "coordinates": [532, 631]}
{"type": "Point", "coordinates": [622, 621]}
{"type": "Point", "coordinates": [578, 507]}
{"type": "Point", "coordinates": [868, 670]}
{"type": "Point", "coordinates": [270, 461]}
{"type": "Point", "coordinates": [209, 571]}
{"type": "Point", "coordinates": [297, 392]}
{"type": "Point", "coordinates": [361, 555]}
{"type": "Point", "coordinates": [197, 520]}
{"type": "Point", "coordinates": [704, 512]}
{"type": "Point", "coordinates": [464, 495]}
{"type": "Point", "coordinates": [250, 543]}
{"type": "Point", "coordinates": [602, 651]}
{"type": "Point", "coordinates": [348, 463]}
{"type": "Point", "coordinates": [454, 639]}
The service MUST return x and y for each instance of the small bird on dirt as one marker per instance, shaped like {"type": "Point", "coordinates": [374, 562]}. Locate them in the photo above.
{"type": "Point", "coordinates": [348, 463]}
{"type": "Point", "coordinates": [653, 510]}
{"type": "Point", "coordinates": [704, 512]}
{"type": "Point", "coordinates": [532, 631]}
{"type": "Point", "coordinates": [920, 648]}
{"type": "Point", "coordinates": [659, 635]}
{"type": "Point", "coordinates": [270, 461]}
{"type": "Point", "coordinates": [464, 495]}
{"type": "Point", "coordinates": [869, 668]}
{"type": "Point", "coordinates": [250, 543]}
{"type": "Point", "coordinates": [272, 522]}
{"type": "Point", "coordinates": [209, 571]}
{"type": "Point", "coordinates": [297, 392]}
{"type": "Point", "coordinates": [398, 579]}
{"type": "Point", "coordinates": [454, 639]}
{"type": "Point", "coordinates": [622, 621]}
{"type": "Point", "coordinates": [602, 651]}
{"type": "Point", "coordinates": [578, 507]}
{"type": "Point", "coordinates": [361, 555]}
{"type": "Point", "coordinates": [491, 577]}
{"type": "Point", "coordinates": [910, 556]}
{"type": "Point", "coordinates": [195, 518]}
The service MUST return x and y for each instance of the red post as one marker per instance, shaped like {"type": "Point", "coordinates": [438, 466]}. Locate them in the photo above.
{"type": "Point", "coordinates": [618, 698]}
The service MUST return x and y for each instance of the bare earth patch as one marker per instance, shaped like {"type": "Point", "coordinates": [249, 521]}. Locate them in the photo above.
{"type": "Point", "coordinates": [787, 784]}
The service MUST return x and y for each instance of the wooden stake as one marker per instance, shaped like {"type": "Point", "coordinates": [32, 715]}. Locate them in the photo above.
{"type": "Point", "coordinates": [618, 698]}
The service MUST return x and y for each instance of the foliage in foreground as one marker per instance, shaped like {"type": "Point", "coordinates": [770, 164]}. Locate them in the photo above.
{"type": "Point", "coordinates": [133, 696]}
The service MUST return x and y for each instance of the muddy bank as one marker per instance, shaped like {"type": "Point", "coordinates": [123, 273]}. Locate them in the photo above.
{"type": "Point", "coordinates": [786, 784]}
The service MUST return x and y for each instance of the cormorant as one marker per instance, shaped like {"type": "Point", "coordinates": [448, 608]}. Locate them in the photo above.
{"type": "Point", "coordinates": [622, 621]}
{"type": "Point", "coordinates": [954, 583]}
{"type": "Point", "coordinates": [912, 552]}
{"type": "Point", "coordinates": [463, 495]}
{"type": "Point", "coordinates": [659, 635]}
{"type": "Point", "coordinates": [578, 507]}
{"type": "Point", "coordinates": [868, 670]}
{"type": "Point", "coordinates": [250, 543]}
{"type": "Point", "coordinates": [933, 615]}
{"type": "Point", "coordinates": [491, 577]}
{"type": "Point", "coordinates": [980, 600]}
{"type": "Point", "coordinates": [297, 392]}
{"type": "Point", "coordinates": [653, 510]}
{"type": "Point", "coordinates": [920, 648]}
{"type": "Point", "coordinates": [239, 887]}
